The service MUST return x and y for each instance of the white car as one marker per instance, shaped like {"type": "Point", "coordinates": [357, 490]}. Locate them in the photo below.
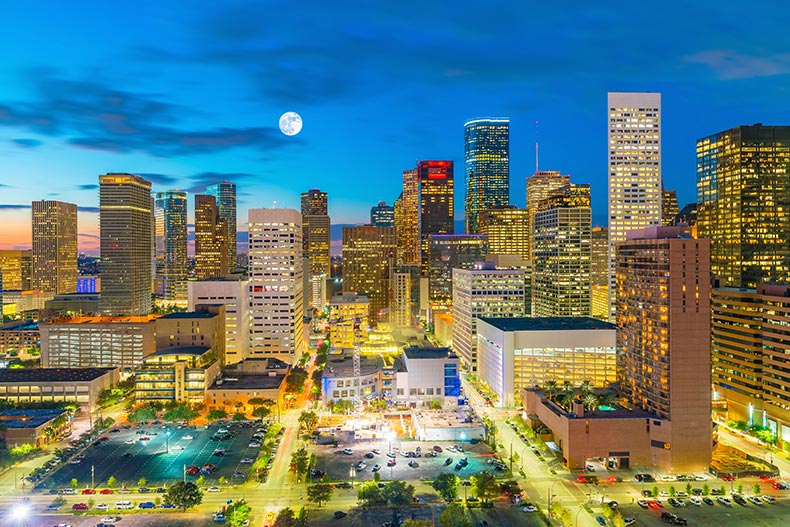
{"type": "Point", "coordinates": [361, 465]}
{"type": "Point", "coordinates": [101, 507]}
{"type": "Point", "coordinates": [213, 489]}
{"type": "Point", "coordinates": [75, 461]}
{"type": "Point", "coordinates": [664, 494]}
{"type": "Point", "coordinates": [530, 508]}
{"type": "Point", "coordinates": [109, 519]}
{"type": "Point", "coordinates": [246, 461]}
{"type": "Point", "coordinates": [254, 445]}
{"type": "Point", "coordinates": [695, 501]}
{"type": "Point", "coordinates": [130, 441]}
{"type": "Point", "coordinates": [769, 499]}
{"type": "Point", "coordinates": [669, 477]}
{"type": "Point", "coordinates": [187, 438]}
{"type": "Point", "coordinates": [176, 447]}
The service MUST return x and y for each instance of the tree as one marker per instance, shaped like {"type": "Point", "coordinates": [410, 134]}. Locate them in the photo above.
{"type": "Point", "coordinates": [214, 415]}
{"type": "Point", "coordinates": [308, 419]}
{"type": "Point", "coordinates": [416, 523]}
{"type": "Point", "coordinates": [590, 401]}
{"type": "Point", "coordinates": [446, 484]}
{"type": "Point", "coordinates": [397, 494]}
{"type": "Point", "coordinates": [454, 516]}
{"type": "Point", "coordinates": [705, 490]}
{"type": "Point", "coordinates": [485, 486]}
{"type": "Point", "coordinates": [370, 492]}
{"type": "Point", "coordinates": [184, 495]}
{"type": "Point", "coordinates": [740, 488]}
{"type": "Point", "coordinates": [237, 512]}
{"type": "Point", "coordinates": [261, 412]}
{"type": "Point", "coordinates": [294, 383]}
{"type": "Point", "coordinates": [722, 490]}
{"type": "Point", "coordinates": [239, 416]}
{"type": "Point", "coordinates": [256, 401]}
{"type": "Point", "coordinates": [585, 387]}
{"type": "Point", "coordinates": [342, 406]}
{"type": "Point", "coordinates": [142, 414]}
{"type": "Point", "coordinates": [141, 482]}
{"type": "Point", "coordinates": [73, 483]}
{"type": "Point", "coordinates": [672, 490]}
{"type": "Point", "coordinates": [299, 460]}
{"type": "Point", "coordinates": [181, 411]}
{"type": "Point", "coordinates": [285, 518]}
{"type": "Point", "coordinates": [112, 482]}
{"type": "Point", "coordinates": [222, 480]}
{"type": "Point", "coordinates": [200, 481]}
{"type": "Point", "coordinates": [319, 493]}
{"type": "Point", "coordinates": [654, 491]}
{"type": "Point", "coordinates": [756, 489]}
{"type": "Point", "coordinates": [510, 487]}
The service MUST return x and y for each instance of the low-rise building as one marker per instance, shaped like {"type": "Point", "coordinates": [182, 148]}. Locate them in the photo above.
{"type": "Point", "coordinates": [203, 327]}
{"type": "Point", "coordinates": [176, 375]}
{"type": "Point", "coordinates": [19, 336]}
{"type": "Point", "coordinates": [339, 381]}
{"type": "Point", "coordinates": [80, 303]}
{"type": "Point", "coordinates": [460, 424]}
{"type": "Point", "coordinates": [427, 375]}
{"type": "Point", "coordinates": [33, 427]}
{"type": "Point", "coordinates": [57, 385]}
{"type": "Point", "coordinates": [234, 295]}
{"type": "Point", "coordinates": [517, 353]}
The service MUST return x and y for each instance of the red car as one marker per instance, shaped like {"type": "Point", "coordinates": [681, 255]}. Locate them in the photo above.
{"type": "Point", "coordinates": [614, 479]}
{"type": "Point", "coordinates": [581, 478]}
{"type": "Point", "coordinates": [105, 438]}
{"type": "Point", "coordinates": [145, 438]}
{"type": "Point", "coordinates": [766, 479]}
{"type": "Point", "coordinates": [80, 507]}
{"type": "Point", "coordinates": [654, 505]}
{"type": "Point", "coordinates": [106, 491]}
{"type": "Point", "coordinates": [88, 491]}
{"type": "Point", "coordinates": [728, 478]}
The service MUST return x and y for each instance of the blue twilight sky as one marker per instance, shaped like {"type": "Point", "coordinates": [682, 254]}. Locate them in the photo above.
{"type": "Point", "coordinates": [189, 93]}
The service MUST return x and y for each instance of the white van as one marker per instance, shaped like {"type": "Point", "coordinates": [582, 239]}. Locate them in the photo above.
{"type": "Point", "coordinates": [123, 505]}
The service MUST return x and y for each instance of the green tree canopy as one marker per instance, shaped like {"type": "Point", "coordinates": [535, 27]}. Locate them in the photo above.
{"type": "Point", "coordinates": [285, 518]}
{"type": "Point", "coordinates": [485, 486]}
{"type": "Point", "coordinates": [299, 460]}
{"type": "Point", "coordinates": [454, 516]}
{"type": "Point", "coordinates": [446, 484]}
{"type": "Point", "coordinates": [142, 414]}
{"type": "Point", "coordinates": [184, 495]}
{"type": "Point", "coordinates": [214, 415]}
{"type": "Point", "coordinates": [255, 401]}
{"type": "Point", "coordinates": [319, 493]}
{"type": "Point", "coordinates": [237, 512]}
{"type": "Point", "coordinates": [261, 412]}
{"type": "Point", "coordinates": [239, 416]}
{"type": "Point", "coordinates": [181, 411]}
{"type": "Point", "coordinates": [112, 482]}
{"type": "Point", "coordinates": [397, 494]}
{"type": "Point", "coordinates": [370, 493]}
{"type": "Point", "coordinates": [308, 419]}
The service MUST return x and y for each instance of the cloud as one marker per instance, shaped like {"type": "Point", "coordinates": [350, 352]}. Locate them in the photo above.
{"type": "Point", "coordinates": [729, 64]}
{"type": "Point", "coordinates": [158, 179]}
{"type": "Point", "coordinates": [88, 186]}
{"type": "Point", "coordinates": [89, 236]}
{"type": "Point", "coordinates": [13, 206]}
{"type": "Point", "coordinates": [88, 209]}
{"type": "Point", "coordinates": [199, 182]}
{"type": "Point", "coordinates": [27, 143]}
{"type": "Point", "coordinates": [97, 117]}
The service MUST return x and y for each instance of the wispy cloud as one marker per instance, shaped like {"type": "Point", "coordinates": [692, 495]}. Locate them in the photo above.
{"type": "Point", "coordinates": [13, 206]}
{"type": "Point", "coordinates": [88, 209]}
{"type": "Point", "coordinates": [87, 186]}
{"type": "Point", "coordinates": [730, 64]}
{"type": "Point", "coordinates": [27, 143]}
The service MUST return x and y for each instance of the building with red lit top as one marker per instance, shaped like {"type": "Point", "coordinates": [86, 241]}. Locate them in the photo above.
{"type": "Point", "coordinates": [435, 204]}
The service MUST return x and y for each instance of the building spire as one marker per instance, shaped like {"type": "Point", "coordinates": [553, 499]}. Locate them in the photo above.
{"type": "Point", "coordinates": [536, 146]}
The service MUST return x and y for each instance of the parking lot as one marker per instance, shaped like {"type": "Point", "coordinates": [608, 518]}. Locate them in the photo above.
{"type": "Point", "coordinates": [138, 520]}
{"type": "Point", "coordinates": [127, 456]}
{"type": "Point", "coordinates": [338, 465]}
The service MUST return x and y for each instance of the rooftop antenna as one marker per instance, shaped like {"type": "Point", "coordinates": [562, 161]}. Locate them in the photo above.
{"type": "Point", "coordinates": [536, 146]}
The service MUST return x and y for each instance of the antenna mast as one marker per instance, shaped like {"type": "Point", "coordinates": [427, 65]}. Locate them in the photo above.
{"type": "Point", "coordinates": [536, 146]}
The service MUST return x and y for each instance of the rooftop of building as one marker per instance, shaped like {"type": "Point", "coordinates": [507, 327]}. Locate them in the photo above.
{"type": "Point", "coordinates": [36, 375]}
{"type": "Point", "coordinates": [28, 418]}
{"type": "Point", "coordinates": [249, 382]}
{"type": "Point", "coordinates": [415, 352]}
{"type": "Point", "coordinates": [456, 418]}
{"type": "Point", "coordinates": [196, 351]}
{"type": "Point", "coordinates": [548, 323]}
{"type": "Point", "coordinates": [342, 365]}
{"type": "Point", "coordinates": [188, 315]}
{"type": "Point", "coordinates": [614, 411]}
{"type": "Point", "coordinates": [144, 319]}
{"type": "Point", "coordinates": [27, 325]}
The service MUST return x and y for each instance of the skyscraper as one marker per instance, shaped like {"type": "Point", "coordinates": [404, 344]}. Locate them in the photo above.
{"type": "Point", "coordinates": [16, 270]}
{"type": "Point", "coordinates": [170, 217]}
{"type": "Point", "coordinates": [126, 225]}
{"type": "Point", "coordinates": [507, 229]}
{"type": "Point", "coordinates": [634, 168]}
{"type": "Point", "coordinates": [487, 167]}
{"type": "Point", "coordinates": [540, 186]}
{"type": "Point", "coordinates": [448, 252]}
{"type": "Point", "coordinates": [225, 194]}
{"type": "Point", "coordinates": [669, 207]}
{"type": "Point", "coordinates": [315, 234]}
{"type": "Point", "coordinates": [663, 340]}
{"type": "Point", "coordinates": [382, 215]}
{"type": "Point", "coordinates": [212, 258]}
{"type": "Point", "coordinates": [561, 254]}
{"type": "Point", "coordinates": [435, 216]}
{"type": "Point", "coordinates": [407, 219]}
{"type": "Point", "coordinates": [599, 272]}
{"type": "Point", "coordinates": [368, 260]}
{"type": "Point", "coordinates": [743, 203]}
{"type": "Point", "coordinates": [276, 292]}
{"type": "Point", "coordinates": [54, 246]}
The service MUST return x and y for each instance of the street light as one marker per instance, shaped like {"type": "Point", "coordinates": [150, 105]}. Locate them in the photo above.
{"type": "Point", "coordinates": [550, 496]}
{"type": "Point", "coordinates": [167, 441]}
{"type": "Point", "coordinates": [352, 473]}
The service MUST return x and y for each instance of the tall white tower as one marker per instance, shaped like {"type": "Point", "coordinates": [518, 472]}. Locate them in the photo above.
{"type": "Point", "coordinates": [276, 293]}
{"type": "Point", "coordinates": [634, 169]}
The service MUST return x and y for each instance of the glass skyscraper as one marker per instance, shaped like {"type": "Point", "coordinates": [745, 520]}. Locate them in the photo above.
{"type": "Point", "coordinates": [487, 167]}
{"type": "Point", "coordinates": [743, 203]}
{"type": "Point", "coordinates": [225, 193]}
{"type": "Point", "coordinates": [170, 219]}
{"type": "Point", "coordinates": [435, 201]}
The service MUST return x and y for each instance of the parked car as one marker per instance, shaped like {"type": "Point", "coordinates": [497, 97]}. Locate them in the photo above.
{"type": "Point", "coordinates": [347, 451]}
{"type": "Point", "coordinates": [88, 491]}
{"type": "Point", "coordinates": [213, 489]}
{"type": "Point", "coordinates": [339, 515]}
{"type": "Point", "coordinates": [376, 467]}
{"type": "Point", "coordinates": [80, 507]}
{"type": "Point", "coordinates": [106, 491]}
{"type": "Point", "coordinates": [101, 507]}
{"type": "Point", "coordinates": [147, 505]}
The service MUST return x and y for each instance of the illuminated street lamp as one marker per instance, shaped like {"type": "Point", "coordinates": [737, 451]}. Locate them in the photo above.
{"type": "Point", "coordinates": [167, 441]}
{"type": "Point", "coordinates": [352, 473]}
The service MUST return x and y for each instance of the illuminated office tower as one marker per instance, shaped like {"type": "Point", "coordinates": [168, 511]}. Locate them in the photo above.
{"type": "Point", "coordinates": [315, 235]}
{"type": "Point", "coordinates": [170, 219]}
{"type": "Point", "coordinates": [540, 186]}
{"type": "Point", "coordinates": [401, 306]}
{"type": "Point", "coordinates": [561, 254]}
{"type": "Point", "coordinates": [483, 291]}
{"type": "Point", "coordinates": [225, 194]}
{"type": "Point", "coordinates": [507, 229]}
{"type": "Point", "coordinates": [368, 260]}
{"type": "Point", "coordinates": [743, 203]}
{"type": "Point", "coordinates": [382, 215]}
{"type": "Point", "coordinates": [233, 294]}
{"type": "Point", "coordinates": [669, 207]}
{"type": "Point", "coordinates": [634, 168]}
{"type": "Point", "coordinates": [487, 167]}
{"type": "Point", "coordinates": [599, 273]}
{"type": "Point", "coordinates": [54, 246]}
{"type": "Point", "coordinates": [435, 213]}
{"type": "Point", "coordinates": [211, 239]}
{"type": "Point", "coordinates": [407, 219]}
{"type": "Point", "coordinates": [276, 293]}
{"type": "Point", "coordinates": [16, 269]}
{"type": "Point", "coordinates": [448, 252]}
{"type": "Point", "coordinates": [664, 340]}
{"type": "Point", "coordinates": [126, 225]}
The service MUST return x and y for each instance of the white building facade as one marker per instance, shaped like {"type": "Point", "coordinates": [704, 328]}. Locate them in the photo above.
{"type": "Point", "coordinates": [276, 296]}
{"type": "Point", "coordinates": [428, 374]}
{"type": "Point", "coordinates": [634, 168]}
{"type": "Point", "coordinates": [233, 294]}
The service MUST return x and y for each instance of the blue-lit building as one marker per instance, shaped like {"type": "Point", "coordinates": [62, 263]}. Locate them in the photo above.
{"type": "Point", "coordinates": [170, 216]}
{"type": "Point", "coordinates": [487, 167]}
{"type": "Point", "coordinates": [382, 215]}
{"type": "Point", "coordinates": [225, 194]}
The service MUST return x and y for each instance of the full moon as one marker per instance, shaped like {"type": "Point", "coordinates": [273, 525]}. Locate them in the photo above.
{"type": "Point", "coordinates": [290, 123]}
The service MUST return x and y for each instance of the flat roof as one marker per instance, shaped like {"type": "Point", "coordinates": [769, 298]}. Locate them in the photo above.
{"type": "Point", "coordinates": [188, 315]}
{"type": "Point", "coordinates": [23, 326]}
{"type": "Point", "coordinates": [460, 418]}
{"type": "Point", "coordinates": [344, 367]}
{"type": "Point", "coordinates": [181, 350]}
{"type": "Point", "coordinates": [548, 323]}
{"type": "Point", "coordinates": [414, 352]}
{"type": "Point", "coordinates": [28, 418]}
{"type": "Point", "coordinates": [52, 374]}
{"type": "Point", "coordinates": [249, 382]}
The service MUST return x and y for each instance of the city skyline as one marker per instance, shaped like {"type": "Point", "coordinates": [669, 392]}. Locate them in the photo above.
{"type": "Point", "coordinates": [151, 111]}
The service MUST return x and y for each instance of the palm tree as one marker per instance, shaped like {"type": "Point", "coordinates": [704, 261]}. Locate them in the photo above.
{"type": "Point", "coordinates": [567, 386]}
{"type": "Point", "coordinates": [255, 401]}
{"type": "Point", "coordinates": [590, 400]}
{"type": "Point", "coordinates": [585, 387]}
{"type": "Point", "coordinates": [565, 399]}
{"type": "Point", "coordinates": [550, 389]}
{"type": "Point", "coordinates": [608, 399]}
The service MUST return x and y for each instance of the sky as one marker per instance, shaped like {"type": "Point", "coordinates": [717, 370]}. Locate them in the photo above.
{"type": "Point", "coordinates": [190, 93]}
